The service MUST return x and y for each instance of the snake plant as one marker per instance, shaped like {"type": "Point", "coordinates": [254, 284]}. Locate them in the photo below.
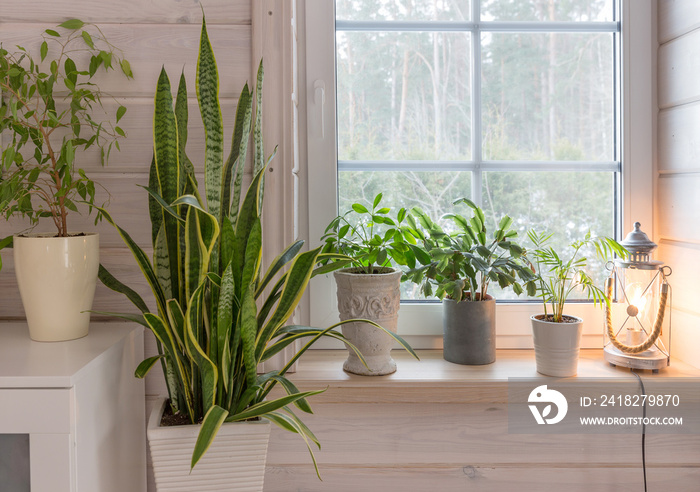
{"type": "Point", "coordinates": [218, 313]}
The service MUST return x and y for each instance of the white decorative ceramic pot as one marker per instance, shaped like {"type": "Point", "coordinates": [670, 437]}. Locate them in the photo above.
{"type": "Point", "coordinates": [375, 297]}
{"type": "Point", "coordinates": [56, 278]}
{"type": "Point", "coordinates": [557, 345]}
{"type": "Point", "coordinates": [235, 461]}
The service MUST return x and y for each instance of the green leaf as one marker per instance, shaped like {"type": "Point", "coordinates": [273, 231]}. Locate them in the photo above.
{"type": "Point", "coordinates": [88, 39]}
{"type": "Point", "coordinates": [72, 24]}
{"type": "Point", "coordinates": [359, 208]}
{"type": "Point", "coordinates": [211, 424]}
{"type": "Point", "coordinates": [146, 366]}
{"type": "Point", "coordinates": [126, 68]}
{"type": "Point", "coordinates": [111, 282]}
{"type": "Point", "coordinates": [44, 50]}
{"type": "Point", "coordinates": [377, 199]}
{"type": "Point", "coordinates": [53, 33]}
{"type": "Point", "coordinates": [121, 111]}
{"type": "Point", "coordinates": [207, 84]}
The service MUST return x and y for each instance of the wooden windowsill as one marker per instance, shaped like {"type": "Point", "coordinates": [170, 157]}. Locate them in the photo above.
{"type": "Point", "coordinates": [429, 378]}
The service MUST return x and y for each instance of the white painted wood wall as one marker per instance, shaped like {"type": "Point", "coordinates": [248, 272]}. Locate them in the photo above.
{"type": "Point", "coordinates": [677, 210]}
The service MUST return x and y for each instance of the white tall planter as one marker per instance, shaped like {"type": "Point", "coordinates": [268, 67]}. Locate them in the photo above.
{"type": "Point", "coordinates": [375, 297]}
{"type": "Point", "coordinates": [557, 346]}
{"type": "Point", "coordinates": [235, 460]}
{"type": "Point", "coordinates": [56, 278]}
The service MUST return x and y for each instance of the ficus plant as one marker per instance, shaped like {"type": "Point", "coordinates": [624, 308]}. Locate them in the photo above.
{"type": "Point", "coordinates": [52, 109]}
{"type": "Point", "coordinates": [218, 313]}
{"type": "Point", "coordinates": [371, 238]}
{"type": "Point", "coordinates": [461, 264]}
{"type": "Point", "coordinates": [559, 276]}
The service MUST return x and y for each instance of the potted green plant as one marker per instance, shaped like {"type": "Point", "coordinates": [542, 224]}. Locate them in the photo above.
{"type": "Point", "coordinates": [370, 289]}
{"type": "Point", "coordinates": [52, 109]}
{"type": "Point", "coordinates": [458, 266]}
{"type": "Point", "coordinates": [219, 315]}
{"type": "Point", "coordinates": [557, 335]}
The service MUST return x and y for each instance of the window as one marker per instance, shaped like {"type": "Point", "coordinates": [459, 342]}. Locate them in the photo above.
{"type": "Point", "coordinates": [518, 105]}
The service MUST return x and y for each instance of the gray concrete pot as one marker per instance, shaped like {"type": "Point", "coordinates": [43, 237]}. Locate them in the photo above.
{"type": "Point", "coordinates": [469, 331]}
{"type": "Point", "coordinates": [375, 297]}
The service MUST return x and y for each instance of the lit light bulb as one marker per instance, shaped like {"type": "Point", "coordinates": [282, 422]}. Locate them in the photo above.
{"type": "Point", "coordinates": [637, 298]}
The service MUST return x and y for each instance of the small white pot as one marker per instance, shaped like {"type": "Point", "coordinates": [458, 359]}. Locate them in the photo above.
{"type": "Point", "coordinates": [556, 346]}
{"type": "Point", "coordinates": [235, 461]}
{"type": "Point", "coordinates": [375, 297]}
{"type": "Point", "coordinates": [56, 278]}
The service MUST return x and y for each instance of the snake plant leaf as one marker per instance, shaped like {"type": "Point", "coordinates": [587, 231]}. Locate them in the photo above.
{"type": "Point", "coordinates": [211, 424]}
{"type": "Point", "coordinates": [270, 301]}
{"type": "Point", "coordinates": [248, 329]}
{"type": "Point", "coordinates": [109, 281]}
{"type": "Point", "coordinates": [233, 170]}
{"type": "Point", "coordinates": [134, 318]}
{"type": "Point", "coordinates": [208, 370]}
{"type": "Point", "coordinates": [260, 409]}
{"type": "Point", "coordinates": [182, 117]}
{"type": "Point", "coordinates": [165, 336]}
{"type": "Point", "coordinates": [141, 260]}
{"type": "Point", "coordinates": [201, 233]}
{"type": "Point", "coordinates": [165, 137]}
{"type": "Point", "coordinates": [153, 208]}
{"type": "Point", "coordinates": [291, 389]}
{"type": "Point", "coordinates": [294, 286]}
{"type": "Point", "coordinates": [258, 150]}
{"type": "Point", "coordinates": [253, 254]}
{"type": "Point", "coordinates": [248, 215]}
{"type": "Point", "coordinates": [177, 321]}
{"type": "Point", "coordinates": [161, 264]}
{"type": "Point", "coordinates": [162, 204]}
{"type": "Point", "coordinates": [278, 263]}
{"type": "Point", "coordinates": [207, 83]}
{"type": "Point", "coordinates": [287, 423]}
{"type": "Point", "coordinates": [228, 238]}
{"type": "Point", "coordinates": [224, 322]}
{"type": "Point", "coordinates": [145, 366]}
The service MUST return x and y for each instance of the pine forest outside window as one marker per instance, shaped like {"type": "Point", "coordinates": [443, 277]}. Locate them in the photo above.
{"type": "Point", "coordinates": [512, 103]}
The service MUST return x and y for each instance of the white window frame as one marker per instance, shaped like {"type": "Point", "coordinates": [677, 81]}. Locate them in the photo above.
{"type": "Point", "coordinates": [421, 323]}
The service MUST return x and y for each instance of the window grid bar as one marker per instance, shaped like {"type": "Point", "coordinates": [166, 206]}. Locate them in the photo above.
{"type": "Point", "coordinates": [483, 26]}
{"type": "Point", "coordinates": [474, 166]}
{"type": "Point", "coordinates": [477, 155]}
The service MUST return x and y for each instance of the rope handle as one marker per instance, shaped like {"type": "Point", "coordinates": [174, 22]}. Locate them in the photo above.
{"type": "Point", "coordinates": [653, 336]}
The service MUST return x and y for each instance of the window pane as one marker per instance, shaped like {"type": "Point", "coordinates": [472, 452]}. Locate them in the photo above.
{"type": "Point", "coordinates": [411, 10]}
{"type": "Point", "coordinates": [548, 96]}
{"type": "Point", "coordinates": [403, 95]}
{"type": "Point", "coordinates": [547, 10]}
{"type": "Point", "coordinates": [568, 204]}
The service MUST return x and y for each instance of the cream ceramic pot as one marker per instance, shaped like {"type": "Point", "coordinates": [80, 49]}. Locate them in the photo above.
{"type": "Point", "coordinates": [56, 278]}
{"type": "Point", "coordinates": [235, 461]}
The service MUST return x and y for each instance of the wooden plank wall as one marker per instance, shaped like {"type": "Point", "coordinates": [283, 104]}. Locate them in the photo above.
{"type": "Point", "coordinates": [152, 34]}
{"type": "Point", "coordinates": [677, 220]}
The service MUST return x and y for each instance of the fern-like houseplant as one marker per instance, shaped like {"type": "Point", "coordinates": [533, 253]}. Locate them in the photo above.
{"type": "Point", "coordinates": [52, 110]}
{"type": "Point", "coordinates": [558, 276]}
{"type": "Point", "coordinates": [218, 313]}
{"type": "Point", "coordinates": [458, 266]}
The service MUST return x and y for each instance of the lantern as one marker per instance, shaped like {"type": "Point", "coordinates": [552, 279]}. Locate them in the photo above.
{"type": "Point", "coordinates": [644, 292]}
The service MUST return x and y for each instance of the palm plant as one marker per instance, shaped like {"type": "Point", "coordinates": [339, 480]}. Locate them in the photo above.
{"type": "Point", "coordinates": [218, 314]}
{"type": "Point", "coordinates": [558, 277]}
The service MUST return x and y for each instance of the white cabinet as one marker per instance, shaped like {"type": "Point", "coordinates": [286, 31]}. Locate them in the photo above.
{"type": "Point", "coordinates": [80, 406]}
